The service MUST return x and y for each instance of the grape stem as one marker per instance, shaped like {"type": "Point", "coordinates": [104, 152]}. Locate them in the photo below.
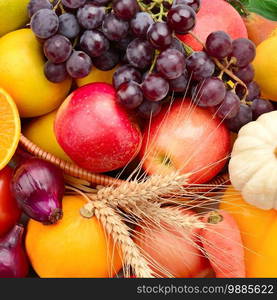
{"type": "Point", "coordinates": [57, 5]}
{"type": "Point", "coordinates": [157, 52]}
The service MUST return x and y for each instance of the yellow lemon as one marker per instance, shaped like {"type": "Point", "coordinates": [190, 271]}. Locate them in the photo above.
{"type": "Point", "coordinates": [22, 75]}
{"type": "Point", "coordinates": [265, 65]}
{"type": "Point", "coordinates": [97, 75]}
{"type": "Point", "coordinates": [13, 15]}
{"type": "Point", "coordinates": [41, 132]}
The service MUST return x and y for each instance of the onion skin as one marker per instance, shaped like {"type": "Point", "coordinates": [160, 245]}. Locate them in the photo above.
{"type": "Point", "coordinates": [13, 259]}
{"type": "Point", "coordinates": [38, 187]}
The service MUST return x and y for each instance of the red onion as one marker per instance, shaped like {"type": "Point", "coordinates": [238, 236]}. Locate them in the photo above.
{"type": "Point", "coordinates": [38, 187]}
{"type": "Point", "coordinates": [13, 259]}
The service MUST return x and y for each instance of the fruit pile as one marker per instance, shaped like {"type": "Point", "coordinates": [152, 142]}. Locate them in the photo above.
{"type": "Point", "coordinates": [142, 126]}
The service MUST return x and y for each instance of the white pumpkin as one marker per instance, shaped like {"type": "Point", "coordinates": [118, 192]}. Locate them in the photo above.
{"type": "Point", "coordinates": [253, 164]}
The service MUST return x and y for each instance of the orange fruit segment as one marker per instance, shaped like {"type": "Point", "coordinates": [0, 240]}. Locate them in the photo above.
{"type": "Point", "coordinates": [9, 128]}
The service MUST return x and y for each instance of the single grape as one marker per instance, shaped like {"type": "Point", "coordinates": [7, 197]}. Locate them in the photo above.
{"type": "Point", "coordinates": [230, 106]}
{"type": "Point", "coordinates": [73, 3]}
{"type": "Point", "coordinates": [79, 64]}
{"type": "Point", "coordinates": [123, 44]}
{"type": "Point", "coordinates": [210, 92]}
{"type": "Point", "coordinates": [194, 4]}
{"type": "Point", "coordinates": [45, 23]}
{"type": "Point", "coordinates": [170, 63]}
{"type": "Point", "coordinates": [243, 117]}
{"type": "Point", "coordinates": [94, 43]}
{"type": "Point", "coordinates": [68, 25]}
{"type": "Point", "coordinates": [114, 28]}
{"type": "Point", "coordinates": [244, 52]}
{"type": "Point", "coordinates": [90, 16]}
{"type": "Point", "coordinates": [57, 49]}
{"type": "Point", "coordinates": [177, 44]}
{"type": "Point", "coordinates": [181, 18]}
{"type": "Point", "coordinates": [260, 107]}
{"type": "Point", "coordinates": [107, 60]}
{"type": "Point", "coordinates": [246, 74]}
{"type": "Point", "coordinates": [254, 91]}
{"type": "Point", "coordinates": [125, 9]}
{"type": "Point", "coordinates": [155, 87]}
{"type": "Point", "coordinates": [149, 109]}
{"type": "Point", "coordinates": [55, 72]}
{"type": "Point", "coordinates": [125, 74]}
{"type": "Point", "coordinates": [159, 35]}
{"type": "Point", "coordinates": [140, 24]}
{"type": "Point", "coordinates": [36, 5]}
{"type": "Point", "coordinates": [179, 84]}
{"type": "Point", "coordinates": [200, 65]}
{"type": "Point", "coordinates": [219, 44]}
{"type": "Point", "coordinates": [140, 53]}
{"type": "Point", "coordinates": [130, 95]}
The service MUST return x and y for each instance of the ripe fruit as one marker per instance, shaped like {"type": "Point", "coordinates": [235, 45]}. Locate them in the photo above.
{"type": "Point", "coordinates": [41, 132]}
{"type": "Point", "coordinates": [74, 247]}
{"type": "Point", "coordinates": [9, 128]}
{"type": "Point", "coordinates": [10, 211]}
{"type": "Point", "coordinates": [265, 65]}
{"type": "Point", "coordinates": [13, 15]}
{"type": "Point", "coordinates": [22, 75]}
{"type": "Point", "coordinates": [95, 131]}
{"type": "Point", "coordinates": [215, 15]}
{"type": "Point", "coordinates": [186, 139]}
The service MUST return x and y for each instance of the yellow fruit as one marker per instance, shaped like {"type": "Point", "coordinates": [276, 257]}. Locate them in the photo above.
{"type": "Point", "coordinates": [41, 132]}
{"type": "Point", "coordinates": [265, 65]}
{"type": "Point", "coordinates": [9, 128]}
{"type": "Point", "coordinates": [13, 15]}
{"type": "Point", "coordinates": [97, 76]}
{"type": "Point", "coordinates": [74, 247]}
{"type": "Point", "coordinates": [22, 76]}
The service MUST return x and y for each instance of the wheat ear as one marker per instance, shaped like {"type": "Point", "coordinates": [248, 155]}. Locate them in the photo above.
{"type": "Point", "coordinates": [115, 227]}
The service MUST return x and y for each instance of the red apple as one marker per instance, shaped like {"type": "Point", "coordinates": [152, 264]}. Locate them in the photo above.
{"type": "Point", "coordinates": [215, 15]}
{"type": "Point", "coordinates": [95, 131]}
{"type": "Point", "coordinates": [171, 250]}
{"type": "Point", "coordinates": [186, 138]}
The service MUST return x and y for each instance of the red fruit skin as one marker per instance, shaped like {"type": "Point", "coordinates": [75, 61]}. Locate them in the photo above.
{"type": "Point", "coordinates": [215, 15]}
{"type": "Point", "coordinates": [192, 138]}
{"type": "Point", "coordinates": [9, 210]}
{"type": "Point", "coordinates": [95, 130]}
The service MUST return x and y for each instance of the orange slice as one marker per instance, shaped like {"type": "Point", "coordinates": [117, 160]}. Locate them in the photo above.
{"type": "Point", "coordinates": [9, 128]}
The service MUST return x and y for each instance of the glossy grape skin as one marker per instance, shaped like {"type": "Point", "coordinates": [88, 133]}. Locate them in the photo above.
{"type": "Point", "coordinates": [219, 44]}
{"type": "Point", "coordinates": [170, 63]}
{"type": "Point", "coordinates": [57, 49]}
{"type": "Point", "coordinates": [179, 84]}
{"type": "Point", "coordinates": [149, 109]}
{"type": "Point", "coordinates": [200, 65]}
{"type": "Point", "coordinates": [159, 35]}
{"type": "Point", "coordinates": [246, 74]}
{"type": "Point", "coordinates": [194, 4]}
{"type": "Point", "coordinates": [140, 53]}
{"type": "Point", "coordinates": [125, 74]}
{"type": "Point", "coordinates": [36, 5]}
{"type": "Point", "coordinates": [79, 64]}
{"type": "Point", "coordinates": [125, 9]}
{"type": "Point", "coordinates": [140, 24]}
{"type": "Point", "coordinates": [244, 51]}
{"type": "Point", "coordinates": [73, 3]}
{"type": "Point", "coordinates": [68, 25]}
{"type": "Point", "coordinates": [155, 87]}
{"type": "Point", "coordinates": [210, 92]}
{"type": "Point", "coordinates": [260, 107]}
{"type": "Point", "coordinates": [90, 16]}
{"type": "Point", "coordinates": [94, 43]}
{"type": "Point", "coordinates": [229, 107]}
{"type": "Point", "coordinates": [243, 117]}
{"type": "Point", "coordinates": [114, 28]}
{"type": "Point", "coordinates": [44, 23]}
{"type": "Point", "coordinates": [181, 19]}
{"type": "Point", "coordinates": [177, 44]}
{"type": "Point", "coordinates": [130, 95]}
{"type": "Point", "coordinates": [107, 61]}
{"type": "Point", "coordinates": [254, 91]}
{"type": "Point", "coordinates": [55, 72]}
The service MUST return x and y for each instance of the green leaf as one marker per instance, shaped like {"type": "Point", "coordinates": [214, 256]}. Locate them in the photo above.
{"type": "Point", "coordinates": [265, 8]}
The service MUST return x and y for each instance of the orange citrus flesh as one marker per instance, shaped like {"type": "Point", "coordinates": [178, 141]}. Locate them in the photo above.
{"type": "Point", "coordinates": [9, 128]}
